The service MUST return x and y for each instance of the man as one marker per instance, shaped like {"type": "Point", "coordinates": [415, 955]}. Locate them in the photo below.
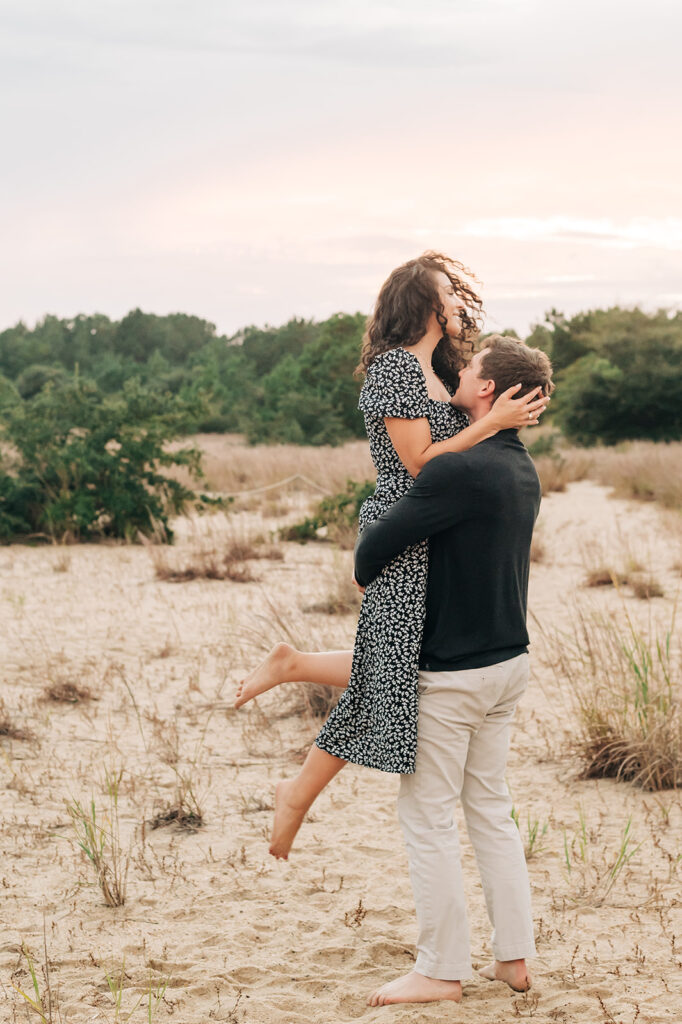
{"type": "Point", "coordinates": [478, 508]}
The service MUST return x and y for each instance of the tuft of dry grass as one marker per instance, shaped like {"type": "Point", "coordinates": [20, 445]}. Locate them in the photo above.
{"type": "Point", "coordinates": [203, 564]}
{"type": "Point", "coordinates": [9, 728]}
{"type": "Point", "coordinates": [622, 568]}
{"type": "Point", "coordinates": [185, 808]}
{"type": "Point", "coordinates": [643, 587]}
{"type": "Point", "coordinates": [211, 556]}
{"type": "Point", "coordinates": [342, 598]}
{"type": "Point", "coordinates": [66, 691]}
{"type": "Point", "coordinates": [605, 576]}
{"type": "Point", "coordinates": [183, 812]}
{"type": "Point", "coordinates": [627, 687]}
{"type": "Point", "coordinates": [646, 587]}
{"type": "Point", "coordinates": [62, 563]}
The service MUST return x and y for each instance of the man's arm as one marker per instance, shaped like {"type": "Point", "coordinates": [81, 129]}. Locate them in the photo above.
{"type": "Point", "coordinates": [439, 497]}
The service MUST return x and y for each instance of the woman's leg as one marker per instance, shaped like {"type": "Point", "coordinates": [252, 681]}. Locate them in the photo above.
{"type": "Point", "coordinates": [285, 664]}
{"type": "Point", "coordinates": [294, 797]}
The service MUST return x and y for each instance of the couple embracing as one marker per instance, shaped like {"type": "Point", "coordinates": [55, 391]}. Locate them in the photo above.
{"type": "Point", "coordinates": [440, 658]}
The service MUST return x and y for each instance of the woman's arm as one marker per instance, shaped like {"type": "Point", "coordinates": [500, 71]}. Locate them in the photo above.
{"type": "Point", "coordinates": [412, 438]}
{"type": "Point", "coordinates": [426, 508]}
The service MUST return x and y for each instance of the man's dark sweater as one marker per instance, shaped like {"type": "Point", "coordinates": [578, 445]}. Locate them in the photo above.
{"type": "Point", "coordinates": [478, 508]}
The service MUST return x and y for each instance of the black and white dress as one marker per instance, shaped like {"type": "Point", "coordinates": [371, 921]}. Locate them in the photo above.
{"type": "Point", "coordinates": [375, 722]}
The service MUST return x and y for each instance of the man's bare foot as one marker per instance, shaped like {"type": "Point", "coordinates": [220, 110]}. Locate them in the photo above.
{"type": "Point", "coordinates": [288, 818]}
{"type": "Point", "coordinates": [416, 988]}
{"type": "Point", "coordinates": [513, 972]}
{"type": "Point", "coordinates": [271, 672]}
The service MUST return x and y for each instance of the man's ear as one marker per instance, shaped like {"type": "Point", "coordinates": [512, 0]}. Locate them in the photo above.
{"type": "Point", "coordinates": [486, 389]}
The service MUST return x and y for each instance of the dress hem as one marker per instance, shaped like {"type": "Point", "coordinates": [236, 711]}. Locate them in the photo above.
{"type": "Point", "coordinates": [366, 762]}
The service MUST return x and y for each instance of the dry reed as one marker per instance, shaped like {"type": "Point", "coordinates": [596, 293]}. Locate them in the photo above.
{"type": "Point", "coordinates": [627, 685]}
{"type": "Point", "coordinates": [234, 467]}
{"type": "Point", "coordinates": [9, 728]}
{"type": "Point", "coordinates": [557, 471]}
{"type": "Point", "coordinates": [212, 556]}
{"type": "Point", "coordinates": [642, 470]}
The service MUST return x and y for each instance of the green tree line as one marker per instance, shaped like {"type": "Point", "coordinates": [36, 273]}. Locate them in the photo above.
{"type": "Point", "coordinates": [619, 371]}
{"type": "Point", "coordinates": [618, 374]}
{"type": "Point", "coordinates": [293, 383]}
{"type": "Point", "coordinates": [88, 406]}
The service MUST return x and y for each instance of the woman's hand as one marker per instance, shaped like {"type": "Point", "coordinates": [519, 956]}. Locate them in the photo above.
{"type": "Point", "coordinates": [508, 412]}
{"type": "Point", "coordinates": [356, 584]}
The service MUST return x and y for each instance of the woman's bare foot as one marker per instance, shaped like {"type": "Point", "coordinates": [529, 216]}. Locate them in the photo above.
{"type": "Point", "coordinates": [416, 988]}
{"type": "Point", "coordinates": [513, 972]}
{"type": "Point", "coordinates": [288, 818]}
{"type": "Point", "coordinates": [275, 669]}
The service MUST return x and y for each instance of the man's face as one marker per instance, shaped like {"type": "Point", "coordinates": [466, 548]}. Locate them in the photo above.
{"type": "Point", "coordinates": [470, 382]}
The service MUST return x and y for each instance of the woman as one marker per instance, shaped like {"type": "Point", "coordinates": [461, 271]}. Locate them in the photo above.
{"type": "Point", "coordinates": [424, 321]}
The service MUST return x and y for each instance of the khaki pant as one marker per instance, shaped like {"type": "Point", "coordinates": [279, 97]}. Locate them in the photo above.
{"type": "Point", "coordinates": [463, 739]}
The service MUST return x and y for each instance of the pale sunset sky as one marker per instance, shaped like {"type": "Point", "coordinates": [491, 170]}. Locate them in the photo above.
{"type": "Point", "coordinates": [248, 162]}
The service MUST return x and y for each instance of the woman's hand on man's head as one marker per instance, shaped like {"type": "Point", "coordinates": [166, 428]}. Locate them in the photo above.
{"type": "Point", "coordinates": [508, 412]}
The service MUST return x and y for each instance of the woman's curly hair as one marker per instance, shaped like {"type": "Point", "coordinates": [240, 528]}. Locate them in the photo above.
{"type": "Point", "coordinates": [404, 305]}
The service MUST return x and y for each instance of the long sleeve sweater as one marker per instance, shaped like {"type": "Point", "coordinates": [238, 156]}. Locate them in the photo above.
{"type": "Point", "coordinates": [478, 509]}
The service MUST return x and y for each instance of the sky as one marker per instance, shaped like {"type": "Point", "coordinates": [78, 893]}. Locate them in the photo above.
{"type": "Point", "coordinates": [249, 162]}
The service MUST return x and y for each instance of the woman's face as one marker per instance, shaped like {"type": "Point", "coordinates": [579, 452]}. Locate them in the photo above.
{"type": "Point", "coordinates": [452, 305]}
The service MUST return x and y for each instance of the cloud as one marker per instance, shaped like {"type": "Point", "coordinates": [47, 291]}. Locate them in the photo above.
{"type": "Point", "coordinates": [661, 233]}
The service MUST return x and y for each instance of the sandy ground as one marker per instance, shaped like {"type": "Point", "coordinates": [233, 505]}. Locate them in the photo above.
{"type": "Point", "coordinates": [242, 937]}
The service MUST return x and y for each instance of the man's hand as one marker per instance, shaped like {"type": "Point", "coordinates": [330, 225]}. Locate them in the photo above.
{"type": "Point", "coordinates": [356, 584]}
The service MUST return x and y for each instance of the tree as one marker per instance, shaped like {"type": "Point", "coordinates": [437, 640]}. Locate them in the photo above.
{"type": "Point", "coordinates": [34, 378]}
{"type": "Point", "coordinates": [629, 385]}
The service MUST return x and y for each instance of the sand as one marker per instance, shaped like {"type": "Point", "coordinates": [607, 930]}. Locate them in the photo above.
{"type": "Point", "coordinates": [238, 936]}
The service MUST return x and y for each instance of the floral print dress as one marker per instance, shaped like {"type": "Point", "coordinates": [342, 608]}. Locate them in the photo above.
{"type": "Point", "coordinates": [375, 722]}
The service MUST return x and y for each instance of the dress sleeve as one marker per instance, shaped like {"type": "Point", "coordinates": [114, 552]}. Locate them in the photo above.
{"type": "Point", "coordinates": [395, 386]}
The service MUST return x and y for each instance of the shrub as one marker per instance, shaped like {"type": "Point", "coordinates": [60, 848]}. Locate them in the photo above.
{"type": "Point", "coordinates": [337, 514]}
{"type": "Point", "coordinates": [8, 393]}
{"type": "Point", "coordinates": [86, 465]}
